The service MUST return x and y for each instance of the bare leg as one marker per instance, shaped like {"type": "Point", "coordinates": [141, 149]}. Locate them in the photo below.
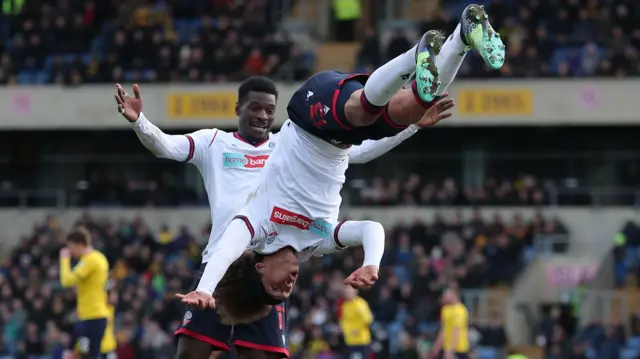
{"type": "Point", "coordinates": [191, 348]}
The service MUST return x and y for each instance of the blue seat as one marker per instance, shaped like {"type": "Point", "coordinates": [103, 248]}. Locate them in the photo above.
{"type": "Point", "coordinates": [487, 353]}
{"type": "Point", "coordinates": [629, 353]}
{"type": "Point", "coordinates": [634, 343]}
{"type": "Point", "coordinates": [42, 77]}
{"type": "Point", "coordinates": [26, 77]}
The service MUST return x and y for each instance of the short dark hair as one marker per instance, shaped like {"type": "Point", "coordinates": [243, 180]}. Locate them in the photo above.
{"type": "Point", "coordinates": [256, 84]}
{"type": "Point", "coordinates": [236, 302]}
{"type": "Point", "coordinates": [80, 235]}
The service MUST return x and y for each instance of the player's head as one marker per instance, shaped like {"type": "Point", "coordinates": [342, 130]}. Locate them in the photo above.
{"type": "Point", "coordinates": [256, 108]}
{"type": "Point", "coordinates": [278, 272]}
{"type": "Point", "coordinates": [450, 296]}
{"type": "Point", "coordinates": [78, 241]}
{"type": "Point", "coordinates": [253, 283]}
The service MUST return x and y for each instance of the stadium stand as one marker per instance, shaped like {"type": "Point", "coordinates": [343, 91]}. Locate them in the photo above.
{"type": "Point", "coordinates": [150, 266]}
{"type": "Point", "coordinates": [74, 42]}
{"type": "Point", "coordinates": [575, 39]}
{"type": "Point", "coordinates": [504, 209]}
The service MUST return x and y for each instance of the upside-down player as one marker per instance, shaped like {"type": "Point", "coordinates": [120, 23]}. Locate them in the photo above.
{"type": "Point", "coordinates": [294, 212]}
{"type": "Point", "coordinates": [230, 165]}
{"type": "Point", "coordinates": [90, 275]}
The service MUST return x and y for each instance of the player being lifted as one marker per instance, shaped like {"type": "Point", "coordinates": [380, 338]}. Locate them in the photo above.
{"type": "Point", "coordinates": [230, 164]}
{"type": "Point", "coordinates": [90, 275]}
{"type": "Point", "coordinates": [294, 212]}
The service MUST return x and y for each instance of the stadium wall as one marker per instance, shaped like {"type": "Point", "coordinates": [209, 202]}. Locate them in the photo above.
{"type": "Point", "coordinates": [480, 103]}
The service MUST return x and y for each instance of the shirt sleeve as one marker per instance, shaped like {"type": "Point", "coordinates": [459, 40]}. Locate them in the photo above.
{"type": "Point", "coordinates": [371, 149]}
{"type": "Point", "coordinates": [368, 234]}
{"type": "Point", "coordinates": [192, 147]}
{"type": "Point", "coordinates": [81, 271]}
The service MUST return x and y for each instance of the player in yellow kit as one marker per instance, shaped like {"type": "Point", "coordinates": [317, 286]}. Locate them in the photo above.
{"type": "Point", "coordinates": [453, 340]}
{"type": "Point", "coordinates": [109, 344]}
{"type": "Point", "coordinates": [90, 276]}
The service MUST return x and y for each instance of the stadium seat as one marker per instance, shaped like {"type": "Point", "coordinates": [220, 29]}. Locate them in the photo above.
{"type": "Point", "coordinates": [634, 343]}
{"type": "Point", "coordinates": [487, 353]}
{"type": "Point", "coordinates": [629, 353]}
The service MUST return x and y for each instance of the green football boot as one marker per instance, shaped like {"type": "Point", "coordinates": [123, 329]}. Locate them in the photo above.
{"type": "Point", "coordinates": [477, 33]}
{"type": "Point", "coordinates": [427, 77]}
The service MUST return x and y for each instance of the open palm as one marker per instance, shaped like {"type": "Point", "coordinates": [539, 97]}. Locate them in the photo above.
{"type": "Point", "coordinates": [129, 107]}
{"type": "Point", "coordinates": [437, 112]}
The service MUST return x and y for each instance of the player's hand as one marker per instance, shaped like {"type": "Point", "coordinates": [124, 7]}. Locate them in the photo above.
{"type": "Point", "coordinates": [65, 252]}
{"type": "Point", "coordinates": [129, 107]}
{"type": "Point", "coordinates": [437, 112]}
{"type": "Point", "coordinates": [363, 277]}
{"type": "Point", "coordinates": [198, 300]}
{"type": "Point", "coordinates": [448, 355]}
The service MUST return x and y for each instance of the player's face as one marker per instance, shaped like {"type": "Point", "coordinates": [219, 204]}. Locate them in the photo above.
{"type": "Point", "coordinates": [76, 249]}
{"type": "Point", "coordinates": [256, 114]}
{"type": "Point", "coordinates": [280, 274]}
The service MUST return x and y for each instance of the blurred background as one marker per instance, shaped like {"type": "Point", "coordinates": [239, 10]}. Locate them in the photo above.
{"type": "Point", "coordinates": [527, 199]}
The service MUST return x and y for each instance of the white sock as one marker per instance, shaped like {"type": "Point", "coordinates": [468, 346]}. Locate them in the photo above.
{"type": "Point", "coordinates": [450, 59]}
{"type": "Point", "coordinates": [388, 79]}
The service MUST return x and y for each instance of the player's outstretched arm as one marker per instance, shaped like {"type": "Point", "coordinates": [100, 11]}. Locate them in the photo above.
{"type": "Point", "coordinates": [370, 235]}
{"type": "Point", "coordinates": [370, 149]}
{"type": "Point", "coordinates": [162, 145]}
{"type": "Point", "coordinates": [230, 246]}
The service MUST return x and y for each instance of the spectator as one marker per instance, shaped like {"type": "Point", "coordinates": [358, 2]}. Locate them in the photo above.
{"type": "Point", "coordinates": [355, 319]}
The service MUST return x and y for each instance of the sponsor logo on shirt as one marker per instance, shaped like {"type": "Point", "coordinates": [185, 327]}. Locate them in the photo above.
{"type": "Point", "coordinates": [318, 227]}
{"type": "Point", "coordinates": [238, 160]}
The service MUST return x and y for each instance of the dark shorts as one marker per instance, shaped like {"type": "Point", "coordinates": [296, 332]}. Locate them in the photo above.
{"type": "Point", "coordinates": [266, 334]}
{"type": "Point", "coordinates": [318, 107]}
{"type": "Point", "coordinates": [87, 336]}
{"type": "Point", "coordinates": [111, 355]}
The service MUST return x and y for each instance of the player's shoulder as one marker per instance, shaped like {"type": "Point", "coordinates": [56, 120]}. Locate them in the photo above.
{"type": "Point", "coordinates": [97, 257]}
{"type": "Point", "coordinates": [361, 302]}
{"type": "Point", "coordinates": [205, 135]}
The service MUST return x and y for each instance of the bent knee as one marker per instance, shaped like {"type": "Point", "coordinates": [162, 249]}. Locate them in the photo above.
{"type": "Point", "coordinates": [357, 113]}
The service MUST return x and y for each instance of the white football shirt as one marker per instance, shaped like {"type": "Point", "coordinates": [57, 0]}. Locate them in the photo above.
{"type": "Point", "coordinates": [298, 198]}
{"type": "Point", "coordinates": [230, 168]}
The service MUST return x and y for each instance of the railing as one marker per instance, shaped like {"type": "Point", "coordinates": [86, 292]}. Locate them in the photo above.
{"type": "Point", "coordinates": [67, 198]}
{"type": "Point", "coordinates": [34, 198]}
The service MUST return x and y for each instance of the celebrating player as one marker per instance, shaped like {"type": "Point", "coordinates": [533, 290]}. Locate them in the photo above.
{"type": "Point", "coordinates": [90, 276]}
{"type": "Point", "coordinates": [294, 212]}
{"type": "Point", "coordinates": [230, 164]}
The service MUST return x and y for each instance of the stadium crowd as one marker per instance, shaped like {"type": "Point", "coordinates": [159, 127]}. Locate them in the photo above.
{"type": "Point", "coordinates": [165, 190]}
{"type": "Point", "coordinates": [149, 266]}
{"type": "Point", "coordinates": [574, 38]}
{"type": "Point", "coordinates": [74, 42]}
{"type": "Point", "coordinates": [524, 190]}
{"type": "Point", "coordinates": [611, 340]}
